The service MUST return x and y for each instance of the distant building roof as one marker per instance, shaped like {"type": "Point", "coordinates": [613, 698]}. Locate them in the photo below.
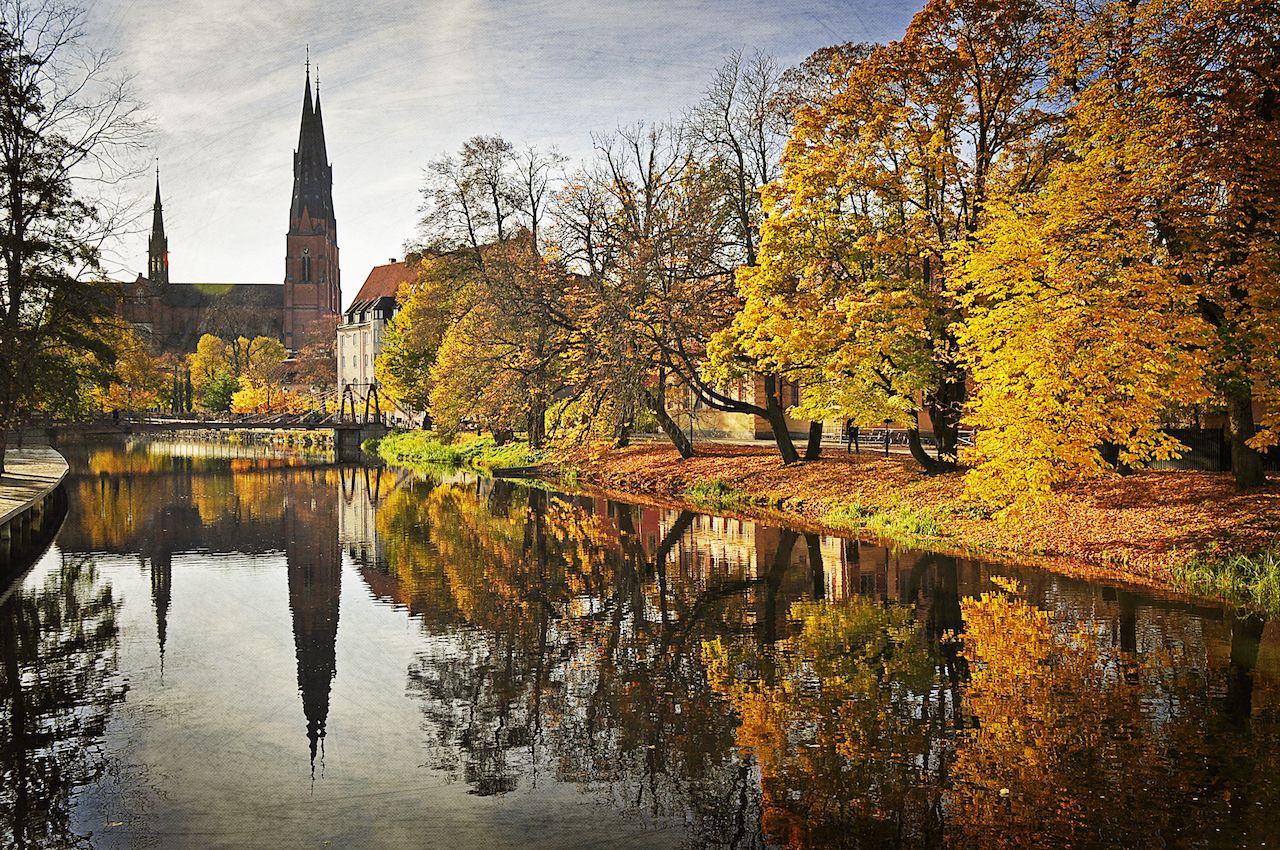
{"type": "Point", "coordinates": [226, 294]}
{"type": "Point", "coordinates": [176, 314]}
{"type": "Point", "coordinates": [383, 282]}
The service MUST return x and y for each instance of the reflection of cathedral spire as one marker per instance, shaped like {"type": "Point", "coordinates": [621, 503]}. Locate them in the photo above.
{"type": "Point", "coordinates": [161, 589]}
{"type": "Point", "coordinates": [315, 571]}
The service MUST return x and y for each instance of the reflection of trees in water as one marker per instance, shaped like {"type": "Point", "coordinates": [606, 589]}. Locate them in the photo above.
{"type": "Point", "coordinates": [844, 722]}
{"type": "Point", "coordinates": [566, 648]}
{"type": "Point", "coordinates": [1075, 744]}
{"type": "Point", "coordinates": [58, 683]}
{"type": "Point", "coordinates": [132, 499]}
{"type": "Point", "coordinates": [574, 639]}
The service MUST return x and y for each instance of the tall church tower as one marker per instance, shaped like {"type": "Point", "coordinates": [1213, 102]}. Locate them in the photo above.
{"type": "Point", "coordinates": [158, 245]}
{"type": "Point", "coordinates": [312, 288]}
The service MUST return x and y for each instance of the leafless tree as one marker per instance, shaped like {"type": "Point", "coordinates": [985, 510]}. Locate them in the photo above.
{"type": "Point", "coordinates": [69, 129]}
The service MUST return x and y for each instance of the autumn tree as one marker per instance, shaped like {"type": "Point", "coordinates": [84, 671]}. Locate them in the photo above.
{"type": "Point", "coordinates": [497, 363]}
{"type": "Point", "coordinates": [1183, 97]}
{"type": "Point", "coordinates": [656, 226]}
{"type": "Point", "coordinates": [817, 78]}
{"type": "Point", "coordinates": [208, 361]}
{"type": "Point", "coordinates": [641, 203]}
{"type": "Point", "coordinates": [1141, 277]}
{"type": "Point", "coordinates": [879, 182]}
{"type": "Point", "coordinates": [219, 369]}
{"type": "Point", "coordinates": [424, 311]}
{"type": "Point", "coordinates": [255, 397]}
{"type": "Point", "coordinates": [1077, 337]}
{"type": "Point", "coordinates": [738, 130]}
{"type": "Point", "coordinates": [139, 377]}
{"type": "Point", "coordinates": [66, 125]}
{"type": "Point", "coordinates": [482, 212]}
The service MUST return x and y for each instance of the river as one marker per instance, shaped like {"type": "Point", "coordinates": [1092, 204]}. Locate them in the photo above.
{"type": "Point", "coordinates": [241, 647]}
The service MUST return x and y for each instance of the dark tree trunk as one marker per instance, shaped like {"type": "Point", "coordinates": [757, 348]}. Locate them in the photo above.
{"type": "Point", "coordinates": [1246, 463]}
{"type": "Point", "coordinates": [669, 426]}
{"type": "Point", "coordinates": [768, 625]}
{"type": "Point", "coordinates": [536, 424]}
{"type": "Point", "coordinates": [1246, 637]}
{"type": "Point", "coordinates": [946, 408]}
{"type": "Point", "coordinates": [622, 438]}
{"type": "Point", "coordinates": [931, 465]}
{"type": "Point", "coordinates": [813, 450]}
{"type": "Point", "coordinates": [777, 420]}
{"type": "Point", "coordinates": [4, 446]}
{"type": "Point", "coordinates": [816, 570]}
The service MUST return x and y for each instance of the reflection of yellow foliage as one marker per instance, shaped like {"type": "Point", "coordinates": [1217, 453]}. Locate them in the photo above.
{"type": "Point", "coordinates": [1058, 743]}
{"type": "Point", "coordinates": [829, 718]}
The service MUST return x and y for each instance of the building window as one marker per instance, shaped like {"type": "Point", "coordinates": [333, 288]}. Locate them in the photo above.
{"type": "Point", "coordinates": [306, 268]}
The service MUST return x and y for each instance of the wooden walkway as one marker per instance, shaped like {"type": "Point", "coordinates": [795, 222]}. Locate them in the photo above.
{"type": "Point", "coordinates": [30, 474]}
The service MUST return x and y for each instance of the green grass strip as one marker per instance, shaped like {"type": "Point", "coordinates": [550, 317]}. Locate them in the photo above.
{"type": "Point", "coordinates": [1249, 580]}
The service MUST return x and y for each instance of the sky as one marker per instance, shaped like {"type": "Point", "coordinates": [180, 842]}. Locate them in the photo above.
{"type": "Point", "coordinates": [403, 83]}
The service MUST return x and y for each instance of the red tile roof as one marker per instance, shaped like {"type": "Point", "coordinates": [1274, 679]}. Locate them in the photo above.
{"type": "Point", "coordinates": [384, 282]}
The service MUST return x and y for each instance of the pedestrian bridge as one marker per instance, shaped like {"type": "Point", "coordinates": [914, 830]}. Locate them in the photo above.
{"type": "Point", "coordinates": [348, 431]}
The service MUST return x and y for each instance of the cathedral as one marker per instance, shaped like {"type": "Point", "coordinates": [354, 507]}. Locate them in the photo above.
{"type": "Point", "coordinates": [302, 310]}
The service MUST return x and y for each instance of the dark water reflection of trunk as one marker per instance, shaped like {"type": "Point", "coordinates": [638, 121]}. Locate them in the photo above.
{"type": "Point", "coordinates": [1246, 638]}
{"type": "Point", "coordinates": [57, 689]}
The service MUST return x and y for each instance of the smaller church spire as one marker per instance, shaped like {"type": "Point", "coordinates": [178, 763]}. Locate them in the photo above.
{"type": "Point", "coordinates": [158, 245]}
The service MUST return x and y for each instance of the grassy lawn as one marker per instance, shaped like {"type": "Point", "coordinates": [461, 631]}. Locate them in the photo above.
{"type": "Point", "coordinates": [425, 449]}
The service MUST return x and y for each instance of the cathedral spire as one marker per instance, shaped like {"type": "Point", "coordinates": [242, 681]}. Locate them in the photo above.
{"type": "Point", "coordinates": [158, 245]}
{"type": "Point", "coordinates": [312, 176]}
{"type": "Point", "coordinates": [313, 288]}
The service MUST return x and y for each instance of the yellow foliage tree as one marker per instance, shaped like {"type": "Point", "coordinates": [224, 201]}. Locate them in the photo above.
{"type": "Point", "coordinates": [1147, 272]}
{"type": "Point", "coordinates": [264, 397]}
{"type": "Point", "coordinates": [207, 362]}
{"type": "Point", "coordinates": [1077, 335]}
{"type": "Point", "coordinates": [138, 379]}
{"type": "Point", "coordinates": [879, 181]}
{"type": "Point", "coordinates": [253, 366]}
{"type": "Point", "coordinates": [413, 337]}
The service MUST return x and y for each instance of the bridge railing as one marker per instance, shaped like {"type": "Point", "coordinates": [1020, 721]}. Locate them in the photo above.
{"type": "Point", "coordinates": [239, 419]}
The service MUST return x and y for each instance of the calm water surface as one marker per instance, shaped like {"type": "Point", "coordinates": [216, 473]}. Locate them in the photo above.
{"type": "Point", "coordinates": [237, 647]}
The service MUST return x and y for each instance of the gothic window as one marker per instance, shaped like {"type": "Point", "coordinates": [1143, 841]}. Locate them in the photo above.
{"type": "Point", "coordinates": [306, 265]}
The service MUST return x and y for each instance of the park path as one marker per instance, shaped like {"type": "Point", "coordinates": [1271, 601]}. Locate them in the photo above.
{"type": "Point", "coordinates": [31, 473]}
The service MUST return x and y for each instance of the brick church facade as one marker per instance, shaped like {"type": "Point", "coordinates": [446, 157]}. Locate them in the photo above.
{"type": "Point", "coordinates": [305, 308]}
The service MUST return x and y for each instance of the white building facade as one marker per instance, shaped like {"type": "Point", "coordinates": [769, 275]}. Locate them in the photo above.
{"type": "Point", "coordinates": [363, 326]}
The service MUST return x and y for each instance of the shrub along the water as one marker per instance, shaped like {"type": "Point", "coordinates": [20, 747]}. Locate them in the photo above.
{"type": "Point", "coordinates": [424, 448]}
{"type": "Point", "coordinates": [1250, 580]}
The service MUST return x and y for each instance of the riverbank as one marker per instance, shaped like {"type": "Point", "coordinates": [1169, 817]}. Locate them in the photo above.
{"type": "Point", "coordinates": [1189, 531]}
{"type": "Point", "coordinates": [31, 474]}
